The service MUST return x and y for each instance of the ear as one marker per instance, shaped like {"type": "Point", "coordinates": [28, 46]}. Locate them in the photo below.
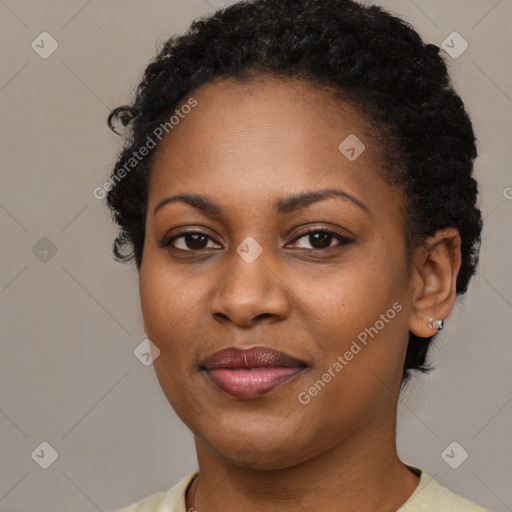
{"type": "Point", "coordinates": [435, 266]}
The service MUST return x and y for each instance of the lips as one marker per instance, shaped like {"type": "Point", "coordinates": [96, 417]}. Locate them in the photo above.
{"type": "Point", "coordinates": [250, 373]}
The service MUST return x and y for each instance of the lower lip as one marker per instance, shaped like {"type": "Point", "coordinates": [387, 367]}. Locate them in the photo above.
{"type": "Point", "coordinates": [252, 382]}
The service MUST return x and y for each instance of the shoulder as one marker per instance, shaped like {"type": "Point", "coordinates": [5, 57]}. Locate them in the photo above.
{"type": "Point", "coordinates": [172, 500]}
{"type": "Point", "coordinates": [430, 495]}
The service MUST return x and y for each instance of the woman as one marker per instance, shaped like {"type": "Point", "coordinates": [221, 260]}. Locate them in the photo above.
{"type": "Point", "coordinates": [296, 190]}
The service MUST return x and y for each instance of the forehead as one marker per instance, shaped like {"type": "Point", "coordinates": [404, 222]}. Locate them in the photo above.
{"type": "Point", "coordinates": [264, 106]}
{"type": "Point", "coordinates": [262, 136]}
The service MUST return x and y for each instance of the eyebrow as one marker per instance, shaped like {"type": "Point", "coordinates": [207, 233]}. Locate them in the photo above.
{"type": "Point", "coordinates": [282, 205]}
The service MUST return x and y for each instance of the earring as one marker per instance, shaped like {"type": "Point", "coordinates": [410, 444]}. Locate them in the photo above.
{"type": "Point", "coordinates": [439, 324]}
{"type": "Point", "coordinates": [146, 330]}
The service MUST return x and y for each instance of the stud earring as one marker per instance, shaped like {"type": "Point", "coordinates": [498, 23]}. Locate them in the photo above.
{"type": "Point", "coordinates": [146, 330]}
{"type": "Point", "coordinates": [439, 324]}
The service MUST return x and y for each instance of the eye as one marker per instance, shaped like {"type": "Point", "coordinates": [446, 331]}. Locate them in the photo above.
{"type": "Point", "coordinates": [192, 241]}
{"type": "Point", "coordinates": [188, 241]}
{"type": "Point", "coordinates": [322, 238]}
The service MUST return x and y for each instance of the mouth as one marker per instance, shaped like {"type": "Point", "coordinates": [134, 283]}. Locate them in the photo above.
{"type": "Point", "coordinates": [250, 373]}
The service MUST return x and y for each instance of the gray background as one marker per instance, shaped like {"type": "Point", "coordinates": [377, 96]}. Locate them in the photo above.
{"type": "Point", "coordinates": [70, 324]}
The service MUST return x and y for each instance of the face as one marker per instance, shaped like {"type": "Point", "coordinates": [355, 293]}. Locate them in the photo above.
{"type": "Point", "coordinates": [322, 280]}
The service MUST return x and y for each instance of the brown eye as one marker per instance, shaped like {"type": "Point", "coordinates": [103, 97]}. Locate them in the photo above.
{"type": "Point", "coordinates": [189, 241]}
{"type": "Point", "coordinates": [192, 241]}
{"type": "Point", "coordinates": [322, 238]}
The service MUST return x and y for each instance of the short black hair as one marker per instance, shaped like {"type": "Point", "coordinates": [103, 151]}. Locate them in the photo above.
{"type": "Point", "coordinates": [364, 54]}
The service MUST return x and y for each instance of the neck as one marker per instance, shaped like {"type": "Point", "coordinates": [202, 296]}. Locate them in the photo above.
{"type": "Point", "coordinates": [362, 472]}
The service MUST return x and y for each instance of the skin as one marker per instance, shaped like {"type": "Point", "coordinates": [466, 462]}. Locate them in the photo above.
{"type": "Point", "coordinates": [245, 145]}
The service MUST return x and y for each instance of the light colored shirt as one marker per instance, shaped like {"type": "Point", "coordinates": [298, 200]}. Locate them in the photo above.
{"type": "Point", "coordinates": [429, 496]}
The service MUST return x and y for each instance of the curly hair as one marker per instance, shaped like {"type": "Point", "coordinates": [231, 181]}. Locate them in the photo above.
{"type": "Point", "coordinates": [364, 56]}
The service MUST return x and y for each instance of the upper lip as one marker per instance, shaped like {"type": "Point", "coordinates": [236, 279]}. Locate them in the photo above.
{"type": "Point", "coordinates": [254, 357]}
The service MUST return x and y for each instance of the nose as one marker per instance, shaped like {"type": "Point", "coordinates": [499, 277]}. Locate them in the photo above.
{"type": "Point", "coordinates": [250, 292]}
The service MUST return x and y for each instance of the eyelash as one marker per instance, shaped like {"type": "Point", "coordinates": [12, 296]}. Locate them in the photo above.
{"type": "Point", "coordinates": [166, 242]}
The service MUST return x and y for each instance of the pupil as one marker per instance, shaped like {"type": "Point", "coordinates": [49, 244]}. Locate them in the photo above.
{"type": "Point", "coordinates": [324, 240]}
{"type": "Point", "coordinates": [195, 241]}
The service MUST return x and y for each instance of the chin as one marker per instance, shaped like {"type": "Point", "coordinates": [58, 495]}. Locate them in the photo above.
{"type": "Point", "coordinates": [258, 455]}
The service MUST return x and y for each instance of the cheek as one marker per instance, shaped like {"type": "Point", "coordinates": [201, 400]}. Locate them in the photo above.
{"type": "Point", "coordinates": [170, 310]}
{"type": "Point", "coordinates": [165, 296]}
{"type": "Point", "coordinates": [177, 389]}
{"type": "Point", "coordinates": [360, 315]}
{"type": "Point", "coordinates": [349, 298]}
{"type": "Point", "coordinates": [173, 306]}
